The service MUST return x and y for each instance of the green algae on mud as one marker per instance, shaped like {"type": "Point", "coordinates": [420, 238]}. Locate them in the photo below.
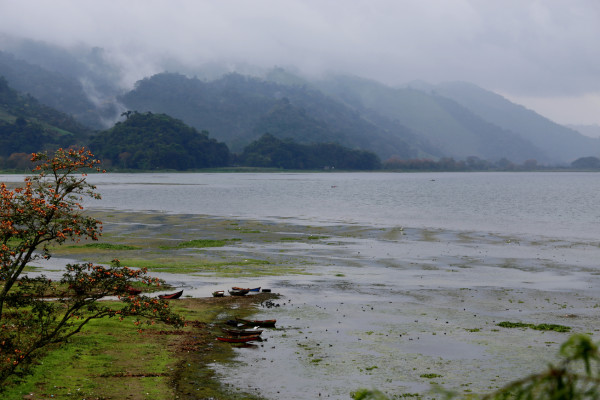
{"type": "Point", "coordinates": [241, 268]}
{"type": "Point", "coordinates": [199, 243]}
{"type": "Point", "coordinates": [537, 327]}
{"type": "Point", "coordinates": [171, 244]}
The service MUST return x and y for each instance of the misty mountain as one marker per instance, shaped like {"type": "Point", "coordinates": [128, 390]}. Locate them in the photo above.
{"type": "Point", "coordinates": [27, 126]}
{"type": "Point", "coordinates": [560, 143]}
{"type": "Point", "coordinates": [419, 120]}
{"type": "Point", "coordinates": [80, 83]}
{"type": "Point", "coordinates": [239, 109]}
{"type": "Point", "coordinates": [587, 130]}
{"type": "Point", "coordinates": [445, 123]}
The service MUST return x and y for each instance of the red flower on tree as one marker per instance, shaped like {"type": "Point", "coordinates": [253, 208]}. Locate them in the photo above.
{"type": "Point", "coordinates": [47, 211]}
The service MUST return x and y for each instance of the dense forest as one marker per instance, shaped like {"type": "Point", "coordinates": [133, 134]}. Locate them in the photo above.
{"type": "Point", "coordinates": [157, 141]}
{"type": "Point", "coordinates": [269, 151]}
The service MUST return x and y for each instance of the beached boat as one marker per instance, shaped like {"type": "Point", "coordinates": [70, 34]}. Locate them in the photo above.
{"type": "Point", "coordinates": [242, 332]}
{"type": "Point", "coordinates": [218, 293]}
{"type": "Point", "coordinates": [251, 322]}
{"type": "Point", "coordinates": [133, 291]}
{"type": "Point", "coordinates": [248, 289]}
{"type": "Point", "coordinates": [238, 292]}
{"type": "Point", "coordinates": [239, 339]}
{"type": "Point", "coordinates": [171, 296]}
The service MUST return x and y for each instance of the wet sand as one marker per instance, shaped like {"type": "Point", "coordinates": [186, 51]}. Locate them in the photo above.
{"type": "Point", "coordinates": [392, 308]}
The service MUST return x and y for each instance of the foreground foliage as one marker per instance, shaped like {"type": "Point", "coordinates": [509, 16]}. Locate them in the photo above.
{"type": "Point", "coordinates": [47, 211]}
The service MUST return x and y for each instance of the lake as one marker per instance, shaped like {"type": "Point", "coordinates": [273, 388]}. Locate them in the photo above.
{"type": "Point", "coordinates": [536, 203]}
{"type": "Point", "coordinates": [411, 276]}
{"type": "Point", "coordinates": [529, 202]}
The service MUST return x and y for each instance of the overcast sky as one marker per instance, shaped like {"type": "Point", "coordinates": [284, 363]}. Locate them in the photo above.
{"type": "Point", "coordinates": [544, 54]}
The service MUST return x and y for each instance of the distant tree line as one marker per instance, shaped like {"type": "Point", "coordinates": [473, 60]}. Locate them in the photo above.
{"type": "Point", "coordinates": [478, 164]}
{"type": "Point", "coordinates": [269, 151]}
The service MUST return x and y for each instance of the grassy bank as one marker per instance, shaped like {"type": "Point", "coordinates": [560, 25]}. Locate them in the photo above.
{"type": "Point", "coordinates": [112, 360]}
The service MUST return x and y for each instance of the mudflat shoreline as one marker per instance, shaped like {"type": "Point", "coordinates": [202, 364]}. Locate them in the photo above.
{"type": "Point", "coordinates": [394, 308]}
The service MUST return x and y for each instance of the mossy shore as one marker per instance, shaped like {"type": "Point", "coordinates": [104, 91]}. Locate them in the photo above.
{"type": "Point", "coordinates": [111, 359]}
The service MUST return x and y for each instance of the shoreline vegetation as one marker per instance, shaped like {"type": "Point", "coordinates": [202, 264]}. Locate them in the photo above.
{"type": "Point", "coordinates": [112, 360]}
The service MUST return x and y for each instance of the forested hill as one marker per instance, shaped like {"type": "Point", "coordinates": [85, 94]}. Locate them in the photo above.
{"type": "Point", "coordinates": [157, 141]}
{"type": "Point", "coordinates": [239, 109]}
{"type": "Point", "coordinates": [269, 151]}
{"type": "Point", "coordinates": [27, 126]}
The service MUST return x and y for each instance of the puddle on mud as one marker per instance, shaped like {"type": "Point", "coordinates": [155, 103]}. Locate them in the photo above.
{"type": "Point", "coordinates": [399, 310]}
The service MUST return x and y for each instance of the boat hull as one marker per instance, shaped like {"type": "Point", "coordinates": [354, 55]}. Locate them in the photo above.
{"type": "Point", "coordinates": [246, 289]}
{"type": "Point", "coordinates": [238, 292]}
{"type": "Point", "coordinates": [171, 296]}
{"type": "Point", "coordinates": [239, 339]}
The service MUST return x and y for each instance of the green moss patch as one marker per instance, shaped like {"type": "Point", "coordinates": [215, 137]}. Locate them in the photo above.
{"type": "Point", "coordinates": [538, 327]}
{"type": "Point", "coordinates": [229, 268]}
{"type": "Point", "coordinates": [200, 243]}
{"type": "Point", "coordinates": [103, 246]}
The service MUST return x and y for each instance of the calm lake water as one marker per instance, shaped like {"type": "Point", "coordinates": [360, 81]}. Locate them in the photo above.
{"type": "Point", "coordinates": [537, 203]}
{"type": "Point", "coordinates": [382, 307]}
{"type": "Point", "coordinates": [563, 204]}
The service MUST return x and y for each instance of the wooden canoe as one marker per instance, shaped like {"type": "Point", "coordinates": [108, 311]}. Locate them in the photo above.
{"type": "Point", "coordinates": [246, 289]}
{"type": "Point", "coordinates": [133, 291]}
{"type": "Point", "coordinates": [242, 332]}
{"type": "Point", "coordinates": [239, 339]}
{"type": "Point", "coordinates": [218, 293]}
{"type": "Point", "coordinates": [263, 323]}
{"type": "Point", "coordinates": [171, 296]}
{"type": "Point", "coordinates": [238, 292]}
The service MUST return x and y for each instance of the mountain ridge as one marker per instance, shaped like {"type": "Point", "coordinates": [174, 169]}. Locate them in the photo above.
{"type": "Point", "coordinates": [417, 120]}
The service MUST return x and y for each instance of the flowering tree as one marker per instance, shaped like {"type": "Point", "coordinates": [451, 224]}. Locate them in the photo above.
{"type": "Point", "coordinates": [35, 311]}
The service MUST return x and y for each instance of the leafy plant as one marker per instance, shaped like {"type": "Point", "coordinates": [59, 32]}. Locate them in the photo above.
{"type": "Point", "coordinates": [566, 380]}
{"type": "Point", "coordinates": [47, 211]}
